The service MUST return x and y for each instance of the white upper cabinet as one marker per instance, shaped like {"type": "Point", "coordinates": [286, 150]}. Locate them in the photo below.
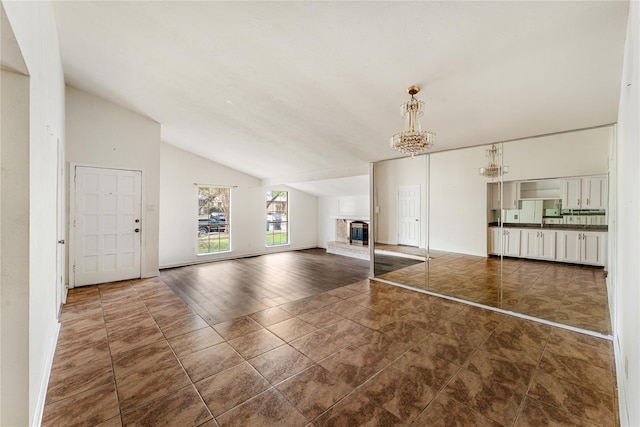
{"type": "Point", "coordinates": [510, 195]}
{"type": "Point", "coordinates": [572, 193]}
{"type": "Point", "coordinates": [589, 192]}
{"type": "Point", "coordinates": [594, 192]}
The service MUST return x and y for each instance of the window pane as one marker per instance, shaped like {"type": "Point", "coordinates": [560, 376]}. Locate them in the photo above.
{"type": "Point", "coordinates": [277, 218]}
{"type": "Point", "coordinates": [214, 227]}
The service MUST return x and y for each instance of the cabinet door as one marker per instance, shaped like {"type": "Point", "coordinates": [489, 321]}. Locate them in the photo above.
{"type": "Point", "coordinates": [593, 248]}
{"type": "Point", "coordinates": [512, 242]}
{"type": "Point", "coordinates": [529, 243]}
{"type": "Point", "coordinates": [571, 246]}
{"type": "Point", "coordinates": [572, 193]}
{"type": "Point", "coordinates": [495, 239]}
{"type": "Point", "coordinates": [547, 244]}
{"type": "Point", "coordinates": [594, 192]}
{"type": "Point", "coordinates": [510, 195]}
{"type": "Point", "coordinates": [493, 191]}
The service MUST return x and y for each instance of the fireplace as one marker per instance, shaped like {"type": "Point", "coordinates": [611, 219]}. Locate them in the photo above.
{"type": "Point", "coordinates": [359, 233]}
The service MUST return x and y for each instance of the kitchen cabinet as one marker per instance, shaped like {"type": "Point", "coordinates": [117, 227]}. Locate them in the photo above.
{"type": "Point", "coordinates": [539, 244]}
{"type": "Point", "coordinates": [510, 239]}
{"type": "Point", "coordinates": [508, 197]}
{"type": "Point", "coordinates": [495, 237]}
{"type": "Point", "coordinates": [589, 192]}
{"type": "Point", "coordinates": [582, 247]}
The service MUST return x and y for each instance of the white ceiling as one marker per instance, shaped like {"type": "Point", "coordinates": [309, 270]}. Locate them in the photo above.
{"type": "Point", "coordinates": [281, 90]}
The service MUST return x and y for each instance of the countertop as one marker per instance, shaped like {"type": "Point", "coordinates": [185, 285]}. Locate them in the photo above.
{"type": "Point", "coordinates": [553, 226]}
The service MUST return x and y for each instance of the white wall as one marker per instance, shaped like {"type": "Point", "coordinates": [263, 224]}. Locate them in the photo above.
{"type": "Point", "coordinates": [455, 196]}
{"type": "Point", "coordinates": [178, 210]}
{"type": "Point", "coordinates": [33, 24]}
{"type": "Point", "coordinates": [458, 202]}
{"type": "Point", "coordinates": [583, 152]}
{"type": "Point", "coordinates": [100, 133]}
{"type": "Point", "coordinates": [626, 274]}
{"type": "Point", "coordinates": [331, 208]}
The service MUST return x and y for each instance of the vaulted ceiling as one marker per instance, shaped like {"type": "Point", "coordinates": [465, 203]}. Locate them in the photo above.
{"type": "Point", "coordinates": [304, 91]}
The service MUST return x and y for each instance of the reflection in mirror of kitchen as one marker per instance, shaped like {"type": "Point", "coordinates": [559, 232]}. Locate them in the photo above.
{"type": "Point", "coordinates": [550, 202]}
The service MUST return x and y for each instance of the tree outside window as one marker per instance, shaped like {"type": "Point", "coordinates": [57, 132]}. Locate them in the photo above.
{"type": "Point", "coordinates": [214, 227]}
{"type": "Point", "coordinates": [277, 218]}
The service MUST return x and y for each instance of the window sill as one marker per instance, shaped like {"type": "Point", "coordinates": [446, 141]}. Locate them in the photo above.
{"type": "Point", "coordinates": [215, 253]}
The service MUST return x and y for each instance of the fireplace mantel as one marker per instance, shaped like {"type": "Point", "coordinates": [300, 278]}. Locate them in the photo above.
{"type": "Point", "coordinates": [351, 217]}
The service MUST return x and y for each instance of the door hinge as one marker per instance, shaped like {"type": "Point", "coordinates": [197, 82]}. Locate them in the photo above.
{"type": "Point", "coordinates": [74, 268]}
{"type": "Point", "coordinates": [74, 222]}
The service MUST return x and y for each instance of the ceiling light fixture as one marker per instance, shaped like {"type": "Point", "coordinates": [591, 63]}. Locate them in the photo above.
{"type": "Point", "coordinates": [414, 140]}
{"type": "Point", "coordinates": [494, 169]}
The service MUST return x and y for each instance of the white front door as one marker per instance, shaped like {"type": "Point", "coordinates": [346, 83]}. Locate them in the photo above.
{"type": "Point", "coordinates": [106, 225]}
{"type": "Point", "coordinates": [409, 215]}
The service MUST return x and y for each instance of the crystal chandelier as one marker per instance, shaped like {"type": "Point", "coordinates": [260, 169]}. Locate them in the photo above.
{"type": "Point", "coordinates": [414, 140]}
{"type": "Point", "coordinates": [493, 169]}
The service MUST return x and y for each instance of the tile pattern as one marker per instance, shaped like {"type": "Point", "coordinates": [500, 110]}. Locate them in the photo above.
{"type": "Point", "coordinates": [363, 354]}
{"type": "Point", "coordinates": [568, 294]}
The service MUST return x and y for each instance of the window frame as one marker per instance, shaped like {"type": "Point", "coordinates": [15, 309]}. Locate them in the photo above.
{"type": "Point", "coordinates": [227, 225]}
{"type": "Point", "coordinates": [271, 224]}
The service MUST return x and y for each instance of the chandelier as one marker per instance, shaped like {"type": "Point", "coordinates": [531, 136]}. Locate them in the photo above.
{"type": "Point", "coordinates": [414, 140]}
{"type": "Point", "coordinates": [493, 169]}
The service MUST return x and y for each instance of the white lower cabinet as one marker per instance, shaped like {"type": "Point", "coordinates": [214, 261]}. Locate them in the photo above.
{"type": "Point", "coordinates": [507, 238]}
{"type": "Point", "coordinates": [539, 244]}
{"type": "Point", "coordinates": [577, 247]}
{"type": "Point", "coordinates": [583, 247]}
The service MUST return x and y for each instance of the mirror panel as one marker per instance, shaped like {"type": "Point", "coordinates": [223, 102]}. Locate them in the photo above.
{"type": "Point", "coordinates": [400, 221]}
{"type": "Point", "coordinates": [521, 242]}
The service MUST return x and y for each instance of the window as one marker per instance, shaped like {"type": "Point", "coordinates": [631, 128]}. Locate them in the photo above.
{"type": "Point", "coordinates": [277, 218]}
{"type": "Point", "coordinates": [214, 228]}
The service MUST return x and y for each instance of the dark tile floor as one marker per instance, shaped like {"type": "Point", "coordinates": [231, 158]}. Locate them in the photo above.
{"type": "Point", "coordinates": [568, 294]}
{"type": "Point", "coordinates": [134, 353]}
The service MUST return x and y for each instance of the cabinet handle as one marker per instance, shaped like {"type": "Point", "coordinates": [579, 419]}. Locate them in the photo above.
{"type": "Point", "coordinates": [587, 202]}
{"type": "Point", "coordinates": [578, 202]}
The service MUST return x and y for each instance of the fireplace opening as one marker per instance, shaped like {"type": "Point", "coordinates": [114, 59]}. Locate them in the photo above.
{"type": "Point", "coordinates": [359, 233]}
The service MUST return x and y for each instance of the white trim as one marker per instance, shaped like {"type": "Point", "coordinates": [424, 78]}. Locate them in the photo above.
{"type": "Point", "coordinates": [48, 364]}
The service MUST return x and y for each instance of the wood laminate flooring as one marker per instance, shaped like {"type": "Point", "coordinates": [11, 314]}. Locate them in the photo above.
{"type": "Point", "coordinates": [223, 290]}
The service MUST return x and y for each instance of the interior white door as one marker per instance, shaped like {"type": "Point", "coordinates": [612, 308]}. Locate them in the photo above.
{"type": "Point", "coordinates": [409, 215]}
{"type": "Point", "coordinates": [107, 225]}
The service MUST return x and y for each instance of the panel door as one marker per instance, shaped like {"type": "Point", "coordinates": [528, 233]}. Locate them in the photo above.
{"type": "Point", "coordinates": [512, 242]}
{"type": "Point", "coordinates": [409, 215]}
{"type": "Point", "coordinates": [594, 192]}
{"type": "Point", "coordinates": [529, 243]}
{"type": "Point", "coordinates": [592, 248]}
{"type": "Point", "coordinates": [510, 196]}
{"type": "Point", "coordinates": [572, 193]}
{"type": "Point", "coordinates": [495, 240]}
{"type": "Point", "coordinates": [107, 225]}
{"type": "Point", "coordinates": [571, 246]}
{"type": "Point", "coordinates": [547, 245]}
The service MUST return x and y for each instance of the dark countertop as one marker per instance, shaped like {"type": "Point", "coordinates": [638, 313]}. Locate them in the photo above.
{"type": "Point", "coordinates": [553, 226]}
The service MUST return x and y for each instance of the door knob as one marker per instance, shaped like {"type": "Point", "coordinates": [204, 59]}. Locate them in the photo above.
{"type": "Point", "coordinates": [137, 220]}
{"type": "Point", "coordinates": [137, 230]}
{"type": "Point", "coordinates": [61, 241]}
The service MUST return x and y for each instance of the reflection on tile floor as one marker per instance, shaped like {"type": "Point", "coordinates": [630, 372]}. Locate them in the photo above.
{"type": "Point", "coordinates": [568, 294]}
{"type": "Point", "coordinates": [133, 353]}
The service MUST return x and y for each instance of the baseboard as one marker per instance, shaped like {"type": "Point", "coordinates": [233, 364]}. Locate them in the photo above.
{"type": "Point", "coordinates": [48, 364]}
